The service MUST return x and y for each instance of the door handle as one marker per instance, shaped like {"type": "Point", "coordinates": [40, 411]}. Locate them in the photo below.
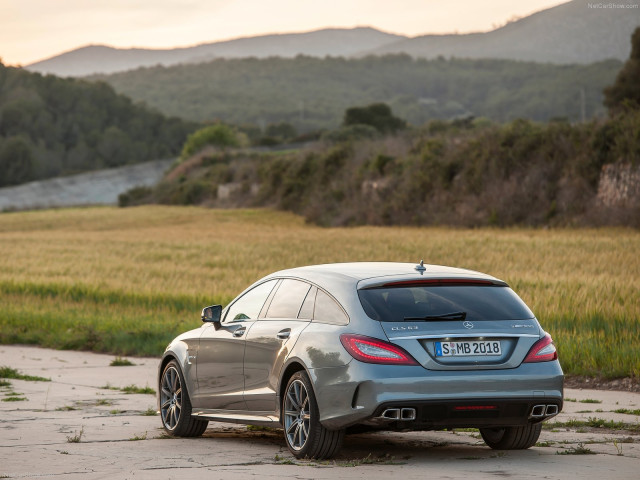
{"type": "Point", "coordinates": [283, 334]}
{"type": "Point", "coordinates": [239, 331]}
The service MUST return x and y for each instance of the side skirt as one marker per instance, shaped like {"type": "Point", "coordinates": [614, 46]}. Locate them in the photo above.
{"type": "Point", "coordinates": [264, 419]}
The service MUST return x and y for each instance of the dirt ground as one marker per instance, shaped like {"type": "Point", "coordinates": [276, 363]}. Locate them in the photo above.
{"type": "Point", "coordinates": [82, 425]}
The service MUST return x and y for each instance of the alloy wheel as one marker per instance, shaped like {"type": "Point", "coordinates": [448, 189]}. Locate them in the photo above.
{"type": "Point", "coordinates": [297, 415]}
{"type": "Point", "coordinates": [171, 398]}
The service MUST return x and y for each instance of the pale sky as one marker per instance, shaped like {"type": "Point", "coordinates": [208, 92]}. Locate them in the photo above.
{"type": "Point", "coordinates": [32, 30]}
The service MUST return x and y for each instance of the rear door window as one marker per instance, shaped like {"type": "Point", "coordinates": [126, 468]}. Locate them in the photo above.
{"type": "Point", "coordinates": [288, 299]}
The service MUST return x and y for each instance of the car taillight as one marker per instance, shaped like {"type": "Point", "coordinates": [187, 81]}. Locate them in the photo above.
{"type": "Point", "coordinates": [542, 351]}
{"type": "Point", "coordinates": [372, 350]}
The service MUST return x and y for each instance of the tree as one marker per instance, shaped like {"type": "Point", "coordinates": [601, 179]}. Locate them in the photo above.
{"type": "Point", "coordinates": [626, 88]}
{"type": "Point", "coordinates": [219, 135]}
{"type": "Point", "coordinates": [16, 162]}
{"type": "Point", "coordinates": [376, 115]}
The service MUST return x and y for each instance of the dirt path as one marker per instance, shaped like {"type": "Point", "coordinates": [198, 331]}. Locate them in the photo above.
{"type": "Point", "coordinates": [119, 435]}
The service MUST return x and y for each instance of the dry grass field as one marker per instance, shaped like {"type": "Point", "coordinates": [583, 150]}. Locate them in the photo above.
{"type": "Point", "coordinates": [127, 280]}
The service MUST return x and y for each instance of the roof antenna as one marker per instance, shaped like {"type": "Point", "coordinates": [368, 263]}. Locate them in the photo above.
{"type": "Point", "coordinates": [421, 268]}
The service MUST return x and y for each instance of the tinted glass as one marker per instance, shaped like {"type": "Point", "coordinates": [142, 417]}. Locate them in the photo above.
{"type": "Point", "coordinates": [288, 299]}
{"type": "Point", "coordinates": [328, 311]}
{"type": "Point", "coordinates": [479, 302]}
{"type": "Point", "coordinates": [250, 304]}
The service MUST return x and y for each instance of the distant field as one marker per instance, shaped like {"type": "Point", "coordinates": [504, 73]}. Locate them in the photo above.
{"type": "Point", "coordinates": [127, 280]}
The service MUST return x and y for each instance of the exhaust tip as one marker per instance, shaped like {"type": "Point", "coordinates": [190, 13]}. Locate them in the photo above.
{"type": "Point", "coordinates": [551, 410]}
{"type": "Point", "coordinates": [391, 414]}
{"type": "Point", "coordinates": [408, 414]}
{"type": "Point", "coordinates": [538, 411]}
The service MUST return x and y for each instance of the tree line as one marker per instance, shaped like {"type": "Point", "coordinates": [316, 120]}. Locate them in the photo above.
{"type": "Point", "coordinates": [312, 93]}
{"type": "Point", "coordinates": [50, 126]}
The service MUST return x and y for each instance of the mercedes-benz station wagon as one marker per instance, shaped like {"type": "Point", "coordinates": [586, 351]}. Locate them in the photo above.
{"type": "Point", "coordinates": [322, 350]}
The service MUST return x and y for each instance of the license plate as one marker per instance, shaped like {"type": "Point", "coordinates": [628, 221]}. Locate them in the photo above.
{"type": "Point", "coordinates": [468, 348]}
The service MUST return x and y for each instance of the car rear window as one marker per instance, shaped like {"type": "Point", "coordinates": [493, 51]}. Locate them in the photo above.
{"type": "Point", "coordinates": [478, 302]}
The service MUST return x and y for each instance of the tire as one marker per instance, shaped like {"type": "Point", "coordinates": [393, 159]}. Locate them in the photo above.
{"type": "Point", "coordinates": [303, 432]}
{"type": "Point", "coordinates": [175, 405]}
{"type": "Point", "coordinates": [511, 438]}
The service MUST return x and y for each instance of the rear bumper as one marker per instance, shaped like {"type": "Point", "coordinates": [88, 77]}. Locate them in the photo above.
{"type": "Point", "coordinates": [358, 393]}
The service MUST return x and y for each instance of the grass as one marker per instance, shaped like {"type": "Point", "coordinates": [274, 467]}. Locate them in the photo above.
{"type": "Point", "coordinates": [149, 412]}
{"type": "Point", "coordinates": [126, 281]}
{"type": "Point", "coordinates": [121, 362]}
{"type": "Point", "coordinates": [130, 389]}
{"type": "Point", "coordinates": [579, 450]}
{"type": "Point", "coordinates": [14, 399]}
{"type": "Point", "coordinates": [77, 437]}
{"type": "Point", "coordinates": [628, 411]}
{"type": "Point", "coordinates": [593, 422]}
{"type": "Point", "coordinates": [66, 408]}
{"type": "Point", "coordinates": [590, 400]}
{"type": "Point", "coordinates": [8, 372]}
{"type": "Point", "coordinates": [134, 389]}
{"type": "Point", "coordinates": [136, 438]}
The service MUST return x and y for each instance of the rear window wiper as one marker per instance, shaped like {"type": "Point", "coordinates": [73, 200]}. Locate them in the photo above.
{"type": "Point", "coordinates": [444, 316]}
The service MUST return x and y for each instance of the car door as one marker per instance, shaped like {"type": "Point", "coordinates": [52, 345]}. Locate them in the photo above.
{"type": "Point", "coordinates": [270, 339]}
{"type": "Point", "coordinates": [219, 361]}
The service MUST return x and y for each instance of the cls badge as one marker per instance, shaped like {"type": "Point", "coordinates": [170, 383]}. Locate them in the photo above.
{"type": "Point", "coordinates": [467, 325]}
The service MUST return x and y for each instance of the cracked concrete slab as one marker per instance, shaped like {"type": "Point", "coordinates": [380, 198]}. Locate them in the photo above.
{"type": "Point", "coordinates": [119, 435]}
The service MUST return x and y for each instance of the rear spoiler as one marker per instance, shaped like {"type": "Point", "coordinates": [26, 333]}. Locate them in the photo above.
{"type": "Point", "coordinates": [439, 282]}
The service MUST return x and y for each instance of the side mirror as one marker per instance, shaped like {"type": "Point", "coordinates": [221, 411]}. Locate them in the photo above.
{"type": "Point", "coordinates": [212, 314]}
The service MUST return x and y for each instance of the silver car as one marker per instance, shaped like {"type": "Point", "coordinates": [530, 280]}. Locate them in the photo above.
{"type": "Point", "coordinates": [321, 350]}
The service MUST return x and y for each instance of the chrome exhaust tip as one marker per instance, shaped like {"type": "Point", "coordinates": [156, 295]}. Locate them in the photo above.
{"type": "Point", "coordinates": [551, 410]}
{"type": "Point", "coordinates": [408, 414]}
{"type": "Point", "coordinates": [391, 414]}
{"type": "Point", "coordinates": [538, 411]}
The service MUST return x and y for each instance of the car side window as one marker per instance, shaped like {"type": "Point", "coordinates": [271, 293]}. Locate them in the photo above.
{"type": "Point", "coordinates": [248, 306]}
{"type": "Point", "coordinates": [306, 312]}
{"type": "Point", "coordinates": [288, 299]}
{"type": "Point", "coordinates": [327, 310]}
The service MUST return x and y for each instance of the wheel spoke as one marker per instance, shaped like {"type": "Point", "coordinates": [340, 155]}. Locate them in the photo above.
{"type": "Point", "coordinates": [303, 434]}
{"type": "Point", "coordinates": [294, 404]}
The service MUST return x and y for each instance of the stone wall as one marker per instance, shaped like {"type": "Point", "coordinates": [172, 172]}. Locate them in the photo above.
{"type": "Point", "coordinates": [619, 185]}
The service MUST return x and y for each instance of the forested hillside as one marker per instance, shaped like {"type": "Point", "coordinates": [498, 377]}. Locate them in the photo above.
{"type": "Point", "coordinates": [312, 93]}
{"type": "Point", "coordinates": [51, 126]}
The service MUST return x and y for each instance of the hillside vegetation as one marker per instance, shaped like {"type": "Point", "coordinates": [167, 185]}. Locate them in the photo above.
{"type": "Point", "coordinates": [127, 280]}
{"type": "Point", "coordinates": [51, 126]}
{"type": "Point", "coordinates": [312, 93]}
{"type": "Point", "coordinates": [460, 173]}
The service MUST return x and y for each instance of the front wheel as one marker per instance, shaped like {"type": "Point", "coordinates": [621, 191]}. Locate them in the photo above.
{"type": "Point", "coordinates": [511, 438]}
{"type": "Point", "coordinates": [303, 432]}
{"type": "Point", "coordinates": [175, 406]}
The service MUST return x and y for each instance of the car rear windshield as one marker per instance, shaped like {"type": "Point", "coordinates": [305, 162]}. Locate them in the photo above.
{"type": "Point", "coordinates": [435, 302]}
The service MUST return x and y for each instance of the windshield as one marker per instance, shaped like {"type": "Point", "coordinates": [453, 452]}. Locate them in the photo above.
{"type": "Point", "coordinates": [439, 302]}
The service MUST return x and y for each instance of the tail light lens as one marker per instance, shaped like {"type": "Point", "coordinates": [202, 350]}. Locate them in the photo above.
{"type": "Point", "coordinates": [372, 350]}
{"type": "Point", "coordinates": [542, 351]}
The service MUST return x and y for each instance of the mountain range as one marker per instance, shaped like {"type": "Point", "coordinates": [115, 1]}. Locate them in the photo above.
{"type": "Point", "coordinates": [578, 31]}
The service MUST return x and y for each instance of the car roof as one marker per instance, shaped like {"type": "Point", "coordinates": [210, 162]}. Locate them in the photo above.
{"type": "Point", "coordinates": [369, 273]}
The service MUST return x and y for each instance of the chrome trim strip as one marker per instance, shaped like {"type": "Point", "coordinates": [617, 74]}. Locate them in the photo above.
{"type": "Point", "coordinates": [466, 335]}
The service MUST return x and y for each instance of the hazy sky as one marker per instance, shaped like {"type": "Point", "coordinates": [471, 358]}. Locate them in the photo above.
{"type": "Point", "coordinates": [32, 30]}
